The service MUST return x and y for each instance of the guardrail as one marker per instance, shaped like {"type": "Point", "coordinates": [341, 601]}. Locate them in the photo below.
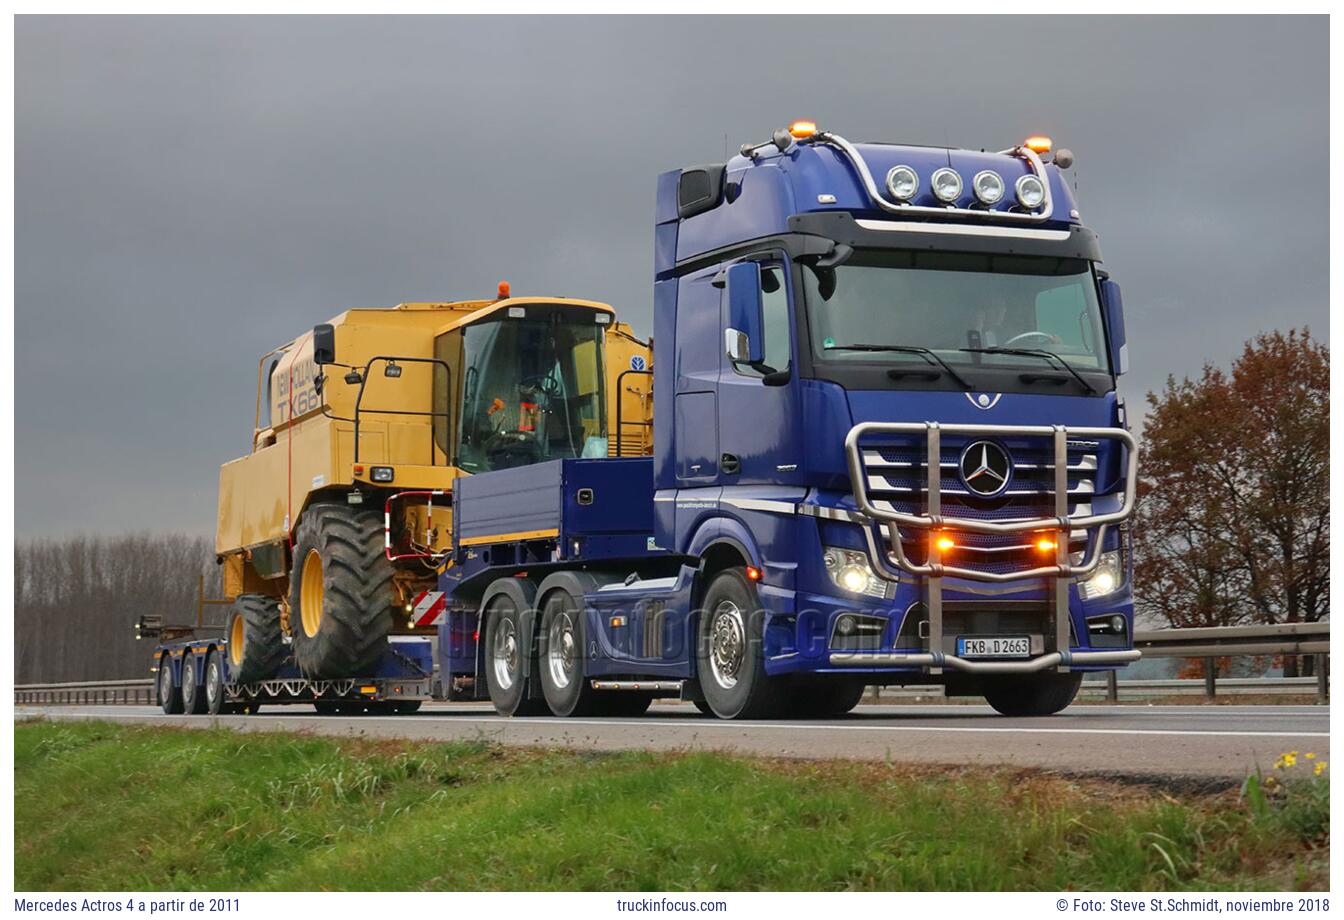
{"type": "Point", "coordinates": [89, 691]}
{"type": "Point", "coordinates": [1209, 643]}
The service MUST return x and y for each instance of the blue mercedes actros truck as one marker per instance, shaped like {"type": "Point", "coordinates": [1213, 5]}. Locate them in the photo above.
{"type": "Point", "coordinates": [888, 449]}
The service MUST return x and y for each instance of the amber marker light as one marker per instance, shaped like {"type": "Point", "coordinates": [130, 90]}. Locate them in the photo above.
{"type": "Point", "coordinates": [1039, 143]}
{"type": "Point", "coordinates": [944, 543]}
{"type": "Point", "coordinates": [753, 573]}
{"type": "Point", "coordinates": [503, 292]}
{"type": "Point", "coordinates": [1046, 544]}
{"type": "Point", "coordinates": [803, 129]}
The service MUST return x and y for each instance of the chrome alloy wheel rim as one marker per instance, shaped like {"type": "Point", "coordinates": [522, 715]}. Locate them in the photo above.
{"type": "Point", "coordinates": [506, 654]}
{"type": "Point", "coordinates": [212, 680]}
{"type": "Point", "coordinates": [561, 650]}
{"type": "Point", "coordinates": [165, 678]}
{"type": "Point", "coordinates": [727, 644]}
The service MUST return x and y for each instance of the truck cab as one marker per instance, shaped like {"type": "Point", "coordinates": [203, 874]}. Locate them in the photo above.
{"type": "Point", "coordinates": [888, 446]}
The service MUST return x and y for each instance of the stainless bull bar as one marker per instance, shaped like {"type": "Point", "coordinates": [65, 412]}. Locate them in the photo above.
{"type": "Point", "coordinates": [890, 562]}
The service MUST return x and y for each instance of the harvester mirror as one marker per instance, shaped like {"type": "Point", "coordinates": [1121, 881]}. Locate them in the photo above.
{"type": "Point", "coordinates": [324, 344]}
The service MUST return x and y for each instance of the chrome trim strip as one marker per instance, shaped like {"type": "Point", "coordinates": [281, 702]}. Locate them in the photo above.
{"type": "Point", "coordinates": [761, 504]}
{"type": "Point", "coordinates": [1012, 233]}
{"type": "Point", "coordinates": [1026, 153]}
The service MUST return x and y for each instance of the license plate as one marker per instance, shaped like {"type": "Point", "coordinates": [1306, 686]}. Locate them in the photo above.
{"type": "Point", "coordinates": [994, 647]}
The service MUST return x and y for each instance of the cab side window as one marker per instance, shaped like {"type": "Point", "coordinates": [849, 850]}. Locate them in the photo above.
{"type": "Point", "coordinates": [775, 300]}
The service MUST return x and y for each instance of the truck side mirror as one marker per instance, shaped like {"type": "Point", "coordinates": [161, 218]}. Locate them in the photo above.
{"type": "Point", "coordinates": [1113, 313]}
{"type": "Point", "coordinates": [744, 339]}
{"type": "Point", "coordinates": [324, 344]}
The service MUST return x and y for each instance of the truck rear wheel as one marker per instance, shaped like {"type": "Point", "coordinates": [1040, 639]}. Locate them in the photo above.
{"type": "Point", "coordinates": [560, 653]}
{"type": "Point", "coordinates": [256, 645]}
{"type": "Point", "coordinates": [193, 701]}
{"type": "Point", "coordinates": [507, 648]}
{"type": "Point", "coordinates": [729, 656]}
{"type": "Point", "coordinates": [1032, 695]}
{"type": "Point", "coordinates": [170, 699]}
{"type": "Point", "coordinates": [340, 592]}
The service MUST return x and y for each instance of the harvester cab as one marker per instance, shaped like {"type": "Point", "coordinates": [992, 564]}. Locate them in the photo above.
{"type": "Point", "coordinates": [333, 530]}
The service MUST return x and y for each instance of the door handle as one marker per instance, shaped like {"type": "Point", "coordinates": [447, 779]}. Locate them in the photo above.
{"type": "Point", "coordinates": [730, 464]}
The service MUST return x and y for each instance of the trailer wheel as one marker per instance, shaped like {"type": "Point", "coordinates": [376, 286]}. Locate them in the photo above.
{"type": "Point", "coordinates": [256, 646]}
{"type": "Point", "coordinates": [825, 698]}
{"type": "Point", "coordinates": [193, 701]}
{"type": "Point", "coordinates": [340, 592]}
{"type": "Point", "coordinates": [729, 654]}
{"type": "Point", "coordinates": [561, 641]}
{"type": "Point", "coordinates": [214, 684]}
{"type": "Point", "coordinates": [170, 698]}
{"type": "Point", "coordinates": [506, 650]}
{"type": "Point", "coordinates": [1034, 695]}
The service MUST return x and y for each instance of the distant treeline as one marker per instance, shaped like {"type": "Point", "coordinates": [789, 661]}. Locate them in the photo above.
{"type": "Point", "coordinates": [76, 600]}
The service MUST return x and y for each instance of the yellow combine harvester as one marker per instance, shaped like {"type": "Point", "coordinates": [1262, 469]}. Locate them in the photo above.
{"type": "Point", "coordinates": [336, 525]}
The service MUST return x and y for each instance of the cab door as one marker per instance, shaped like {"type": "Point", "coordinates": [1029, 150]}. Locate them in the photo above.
{"type": "Point", "coordinates": [757, 405]}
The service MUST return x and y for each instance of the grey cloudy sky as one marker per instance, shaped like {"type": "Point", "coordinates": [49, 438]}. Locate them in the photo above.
{"type": "Point", "coordinates": [192, 191]}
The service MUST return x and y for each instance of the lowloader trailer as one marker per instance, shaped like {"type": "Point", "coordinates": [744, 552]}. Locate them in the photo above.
{"type": "Point", "coordinates": [888, 449]}
{"type": "Point", "coordinates": [334, 530]}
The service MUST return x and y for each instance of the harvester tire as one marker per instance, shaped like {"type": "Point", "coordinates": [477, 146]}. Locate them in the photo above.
{"type": "Point", "coordinates": [256, 646]}
{"type": "Point", "coordinates": [340, 594]}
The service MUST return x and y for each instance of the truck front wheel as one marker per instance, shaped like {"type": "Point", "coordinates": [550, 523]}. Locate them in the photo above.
{"type": "Point", "coordinates": [340, 592]}
{"type": "Point", "coordinates": [1032, 695]}
{"type": "Point", "coordinates": [729, 657]}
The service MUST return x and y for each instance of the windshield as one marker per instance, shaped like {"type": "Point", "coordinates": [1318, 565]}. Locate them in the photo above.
{"type": "Point", "coordinates": [531, 391]}
{"type": "Point", "coordinates": [951, 303]}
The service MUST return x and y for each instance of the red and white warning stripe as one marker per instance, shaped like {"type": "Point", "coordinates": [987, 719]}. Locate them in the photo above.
{"type": "Point", "coordinates": [428, 607]}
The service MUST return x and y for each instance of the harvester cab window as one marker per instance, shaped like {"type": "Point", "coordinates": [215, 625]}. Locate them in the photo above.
{"type": "Point", "coordinates": [531, 391]}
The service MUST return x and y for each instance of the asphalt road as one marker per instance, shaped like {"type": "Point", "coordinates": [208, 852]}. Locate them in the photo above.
{"type": "Point", "coordinates": [1219, 743]}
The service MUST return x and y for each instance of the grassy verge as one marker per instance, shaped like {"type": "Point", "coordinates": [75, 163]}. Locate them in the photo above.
{"type": "Point", "coordinates": [106, 807]}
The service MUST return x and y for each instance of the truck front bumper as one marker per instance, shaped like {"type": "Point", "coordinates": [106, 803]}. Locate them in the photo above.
{"type": "Point", "coordinates": [971, 666]}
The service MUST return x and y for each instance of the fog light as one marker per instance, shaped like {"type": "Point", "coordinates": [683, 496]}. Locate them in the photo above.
{"type": "Point", "coordinates": [845, 625]}
{"type": "Point", "coordinates": [1118, 624]}
{"type": "Point", "coordinates": [1030, 192]}
{"type": "Point", "coordinates": [946, 184]}
{"type": "Point", "coordinates": [988, 186]}
{"type": "Point", "coordinates": [902, 182]}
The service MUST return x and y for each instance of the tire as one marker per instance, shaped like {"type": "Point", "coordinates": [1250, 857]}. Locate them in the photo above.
{"type": "Point", "coordinates": [625, 704]}
{"type": "Point", "coordinates": [1034, 695]}
{"type": "Point", "coordinates": [340, 594]}
{"type": "Point", "coordinates": [561, 640]}
{"type": "Point", "coordinates": [506, 649]}
{"type": "Point", "coordinates": [193, 700]}
{"type": "Point", "coordinates": [213, 687]}
{"type": "Point", "coordinates": [703, 707]}
{"type": "Point", "coordinates": [256, 646]}
{"type": "Point", "coordinates": [170, 697]}
{"type": "Point", "coordinates": [825, 698]}
{"type": "Point", "coordinates": [729, 655]}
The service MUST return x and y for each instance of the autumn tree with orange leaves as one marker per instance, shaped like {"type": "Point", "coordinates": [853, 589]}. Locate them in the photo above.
{"type": "Point", "coordinates": [1233, 521]}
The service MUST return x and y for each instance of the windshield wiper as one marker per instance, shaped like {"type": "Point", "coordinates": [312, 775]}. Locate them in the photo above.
{"type": "Point", "coordinates": [1049, 356]}
{"type": "Point", "coordinates": [924, 353]}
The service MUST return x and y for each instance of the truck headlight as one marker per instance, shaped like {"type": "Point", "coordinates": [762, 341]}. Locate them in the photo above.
{"type": "Point", "coordinates": [1107, 579]}
{"type": "Point", "coordinates": [850, 572]}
